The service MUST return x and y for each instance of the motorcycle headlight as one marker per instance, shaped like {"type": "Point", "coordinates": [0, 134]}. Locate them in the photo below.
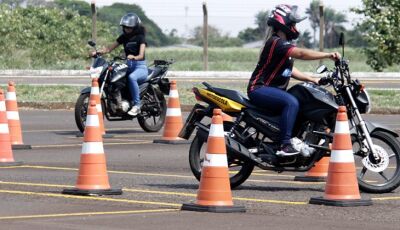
{"type": "Point", "coordinates": [95, 72]}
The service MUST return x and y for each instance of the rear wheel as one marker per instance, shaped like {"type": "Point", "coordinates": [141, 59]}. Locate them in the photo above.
{"type": "Point", "coordinates": [153, 111]}
{"type": "Point", "coordinates": [239, 169]}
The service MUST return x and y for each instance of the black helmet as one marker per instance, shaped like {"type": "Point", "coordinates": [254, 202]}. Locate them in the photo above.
{"type": "Point", "coordinates": [285, 17]}
{"type": "Point", "coordinates": [130, 20]}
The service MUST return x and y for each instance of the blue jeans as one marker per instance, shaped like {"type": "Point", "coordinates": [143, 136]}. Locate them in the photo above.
{"type": "Point", "coordinates": [278, 100]}
{"type": "Point", "coordinates": [137, 75]}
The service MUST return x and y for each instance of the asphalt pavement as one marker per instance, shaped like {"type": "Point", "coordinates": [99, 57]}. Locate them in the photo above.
{"type": "Point", "coordinates": [156, 180]}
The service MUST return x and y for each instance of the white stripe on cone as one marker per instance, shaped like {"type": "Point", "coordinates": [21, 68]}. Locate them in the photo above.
{"type": "Point", "coordinates": [342, 127]}
{"type": "Point", "coordinates": [98, 107]}
{"type": "Point", "coordinates": [173, 112]}
{"type": "Point", "coordinates": [12, 115]}
{"type": "Point", "coordinates": [4, 128]}
{"type": "Point", "coordinates": [173, 93]}
{"type": "Point", "coordinates": [94, 90]}
{"type": "Point", "coordinates": [342, 156]}
{"type": "Point", "coordinates": [11, 96]}
{"type": "Point", "coordinates": [92, 148]}
{"type": "Point", "coordinates": [92, 120]}
{"type": "Point", "coordinates": [215, 160]}
{"type": "Point", "coordinates": [3, 106]}
{"type": "Point", "coordinates": [216, 130]}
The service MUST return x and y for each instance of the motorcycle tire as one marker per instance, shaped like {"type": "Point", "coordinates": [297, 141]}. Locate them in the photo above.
{"type": "Point", "coordinates": [81, 111]}
{"type": "Point", "coordinates": [388, 179]}
{"type": "Point", "coordinates": [199, 143]}
{"type": "Point", "coordinates": [153, 113]}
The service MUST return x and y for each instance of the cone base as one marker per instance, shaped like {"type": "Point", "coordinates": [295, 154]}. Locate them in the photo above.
{"type": "Point", "coordinates": [84, 192]}
{"type": "Point", "coordinates": [174, 142]}
{"type": "Point", "coordinates": [20, 146]}
{"type": "Point", "coordinates": [216, 209]}
{"type": "Point", "coordinates": [79, 134]}
{"type": "Point", "coordinates": [16, 163]}
{"type": "Point", "coordinates": [341, 203]}
{"type": "Point", "coordinates": [310, 178]}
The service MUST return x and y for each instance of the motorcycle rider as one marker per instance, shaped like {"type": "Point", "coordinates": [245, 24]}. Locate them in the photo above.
{"type": "Point", "coordinates": [134, 42]}
{"type": "Point", "coordinates": [268, 83]}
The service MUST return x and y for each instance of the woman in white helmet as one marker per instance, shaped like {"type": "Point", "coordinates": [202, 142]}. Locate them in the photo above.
{"type": "Point", "coordinates": [134, 41]}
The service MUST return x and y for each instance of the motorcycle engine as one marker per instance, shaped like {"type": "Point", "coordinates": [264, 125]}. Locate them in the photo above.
{"type": "Point", "coordinates": [302, 147]}
{"type": "Point", "coordinates": [125, 105]}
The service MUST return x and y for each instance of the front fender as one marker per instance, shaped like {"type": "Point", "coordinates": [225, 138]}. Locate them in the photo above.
{"type": "Point", "coordinates": [372, 127]}
{"type": "Point", "coordinates": [85, 90]}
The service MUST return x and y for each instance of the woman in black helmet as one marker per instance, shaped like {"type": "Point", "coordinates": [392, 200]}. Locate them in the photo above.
{"type": "Point", "coordinates": [133, 40]}
{"type": "Point", "coordinates": [268, 83]}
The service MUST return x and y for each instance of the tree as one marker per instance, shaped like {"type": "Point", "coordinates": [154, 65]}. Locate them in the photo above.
{"type": "Point", "coordinates": [333, 23]}
{"type": "Point", "coordinates": [382, 18]}
{"type": "Point", "coordinates": [215, 38]}
{"type": "Point", "coordinates": [82, 7]}
{"type": "Point", "coordinates": [305, 40]}
{"type": "Point", "coordinates": [258, 33]}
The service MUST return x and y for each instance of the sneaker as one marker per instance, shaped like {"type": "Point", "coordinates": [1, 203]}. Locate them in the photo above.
{"type": "Point", "coordinates": [287, 150]}
{"type": "Point", "coordinates": [134, 110]}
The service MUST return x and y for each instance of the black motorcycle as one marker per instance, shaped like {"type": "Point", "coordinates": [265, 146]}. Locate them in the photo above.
{"type": "Point", "coordinates": [115, 96]}
{"type": "Point", "coordinates": [253, 138]}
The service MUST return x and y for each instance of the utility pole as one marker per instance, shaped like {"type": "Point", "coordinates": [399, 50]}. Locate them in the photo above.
{"type": "Point", "coordinates": [205, 36]}
{"type": "Point", "coordinates": [94, 19]}
{"type": "Point", "coordinates": [321, 28]}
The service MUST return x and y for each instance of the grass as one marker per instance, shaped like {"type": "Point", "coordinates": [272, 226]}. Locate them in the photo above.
{"type": "Point", "coordinates": [191, 59]}
{"type": "Point", "coordinates": [383, 101]}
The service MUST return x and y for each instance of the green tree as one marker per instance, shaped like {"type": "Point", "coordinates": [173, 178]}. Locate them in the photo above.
{"type": "Point", "coordinates": [305, 40]}
{"type": "Point", "coordinates": [215, 38]}
{"type": "Point", "coordinates": [82, 7]}
{"type": "Point", "coordinates": [333, 23]}
{"type": "Point", "coordinates": [382, 18]}
{"type": "Point", "coordinates": [258, 33]}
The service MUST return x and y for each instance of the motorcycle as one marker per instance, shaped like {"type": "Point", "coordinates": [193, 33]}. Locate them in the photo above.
{"type": "Point", "coordinates": [252, 139]}
{"type": "Point", "coordinates": [115, 96]}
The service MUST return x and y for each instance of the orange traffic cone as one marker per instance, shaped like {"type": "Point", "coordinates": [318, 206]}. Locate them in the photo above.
{"type": "Point", "coordinates": [6, 154]}
{"type": "Point", "coordinates": [226, 117]}
{"type": "Point", "coordinates": [14, 123]}
{"type": "Point", "coordinates": [318, 173]}
{"type": "Point", "coordinates": [92, 178]}
{"type": "Point", "coordinates": [341, 186]}
{"type": "Point", "coordinates": [214, 193]}
{"type": "Point", "coordinates": [95, 95]}
{"type": "Point", "coordinates": [173, 120]}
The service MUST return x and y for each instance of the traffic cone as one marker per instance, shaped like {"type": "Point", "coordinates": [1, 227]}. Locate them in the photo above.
{"type": "Point", "coordinates": [14, 123]}
{"type": "Point", "coordinates": [95, 95]}
{"type": "Point", "coordinates": [173, 120]}
{"type": "Point", "coordinates": [214, 193]}
{"type": "Point", "coordinates": [92, 176]}
{"type": "Point", "coordinates": [226, 117]}
{"type": "Point", "coordinates": [6, 154]}
{"type": "Point", "coordinates": [318, 173]}
{"type": "Point", "coordinates": [341, 186]}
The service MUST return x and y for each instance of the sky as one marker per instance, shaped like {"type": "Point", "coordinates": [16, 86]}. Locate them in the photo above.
{"type": "Point", "coordinates": [229, 16]}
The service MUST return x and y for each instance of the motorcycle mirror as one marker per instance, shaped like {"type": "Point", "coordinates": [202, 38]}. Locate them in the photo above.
{"type": "Point", "coordinates": [92, 43]}
{"type": "Point", "coordinates": [322, 69]}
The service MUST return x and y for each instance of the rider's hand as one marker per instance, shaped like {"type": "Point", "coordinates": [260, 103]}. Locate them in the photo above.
{"type": "Point", "coordinates": [334, 56]}
{"type": "Point", "coordinates": [130, 57]}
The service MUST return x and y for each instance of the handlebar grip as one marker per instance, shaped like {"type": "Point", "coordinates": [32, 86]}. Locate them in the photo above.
{"type": "Point", "coordinates": [323, 81]}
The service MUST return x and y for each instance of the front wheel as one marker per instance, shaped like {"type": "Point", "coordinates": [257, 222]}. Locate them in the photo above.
{"type": "Point", "coordinates": [154, 110]}
{"type": "Point", "coordinates": [81, 106]}
{"type": "Point", "coordinates": [379, 175]}
{"type": "Point", "coordinates": [239, 169]}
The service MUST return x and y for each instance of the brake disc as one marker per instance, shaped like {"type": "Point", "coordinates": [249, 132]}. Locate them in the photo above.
{"type": "Point", "coordinates": [381, 164]}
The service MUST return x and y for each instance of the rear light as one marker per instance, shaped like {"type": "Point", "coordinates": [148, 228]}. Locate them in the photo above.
{"type": "Point", "coordinates": [198, 98]}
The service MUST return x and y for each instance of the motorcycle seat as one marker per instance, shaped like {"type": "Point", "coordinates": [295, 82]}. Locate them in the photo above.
{"type": "Point", "coordinates": [242, 99]}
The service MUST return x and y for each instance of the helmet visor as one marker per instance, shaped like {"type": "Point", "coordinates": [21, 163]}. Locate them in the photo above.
{"type": "Point", "coordinates": [294, 15]}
